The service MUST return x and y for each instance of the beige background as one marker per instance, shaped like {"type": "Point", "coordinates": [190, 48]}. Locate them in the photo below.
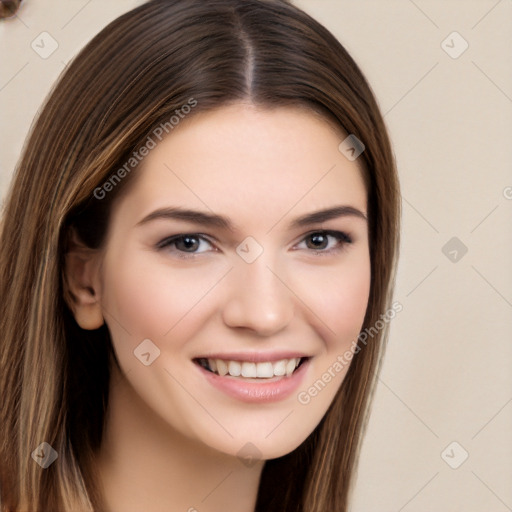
{"type": "Point", "coordinates": [447, 374]}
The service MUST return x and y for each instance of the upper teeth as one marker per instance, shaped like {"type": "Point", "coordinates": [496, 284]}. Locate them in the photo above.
{"type": "Point", "coordinates": [248, 369]}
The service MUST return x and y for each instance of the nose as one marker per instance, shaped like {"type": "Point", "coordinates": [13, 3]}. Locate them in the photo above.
{"type": "Point", "coordinates": [258, 298]}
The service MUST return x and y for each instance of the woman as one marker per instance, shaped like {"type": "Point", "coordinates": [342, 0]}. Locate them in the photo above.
{"type": "Point", "coordinates": [205, 217]}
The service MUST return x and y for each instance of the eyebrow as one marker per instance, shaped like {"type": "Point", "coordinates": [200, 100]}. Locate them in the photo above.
{"type": "Point", "coordinates": [218, 221]}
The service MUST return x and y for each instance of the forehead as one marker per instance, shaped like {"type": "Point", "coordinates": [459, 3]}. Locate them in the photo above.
{"type": "Point", "coordinates": [250, 164]}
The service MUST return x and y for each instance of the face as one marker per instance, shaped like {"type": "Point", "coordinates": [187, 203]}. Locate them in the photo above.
{"type": "Point", "coordinates": [253, 284]}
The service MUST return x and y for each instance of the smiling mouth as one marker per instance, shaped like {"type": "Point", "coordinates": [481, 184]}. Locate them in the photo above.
{"type": "Point", "coordinates": [251, 370]}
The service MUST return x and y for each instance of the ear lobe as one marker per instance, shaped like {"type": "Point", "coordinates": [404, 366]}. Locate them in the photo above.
{"type": "Point", "coordinates": [81, 282]}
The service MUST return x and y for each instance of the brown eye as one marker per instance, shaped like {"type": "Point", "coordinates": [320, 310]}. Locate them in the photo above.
{"type": "Point", "coordinates": [9, 8]}
{"type": "Point", "coordinates": [186, 245]}
{"type": "Point", "coordinates": [320, 241]}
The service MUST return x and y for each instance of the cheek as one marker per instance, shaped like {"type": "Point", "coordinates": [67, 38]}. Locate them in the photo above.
{"type": "Point", "coordinates": [148, 299]}
{"type": "Point", "coordinates": [349, 302]}
{"type": "Point", "coordinates": [339, 299]}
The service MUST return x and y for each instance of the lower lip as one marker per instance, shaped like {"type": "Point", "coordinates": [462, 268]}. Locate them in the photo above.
{"type": "Point", "coordinates": [257, 392]}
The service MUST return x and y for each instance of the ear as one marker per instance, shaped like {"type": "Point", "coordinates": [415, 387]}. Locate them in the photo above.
{"type": "Point", "coordinates": [82, 282]}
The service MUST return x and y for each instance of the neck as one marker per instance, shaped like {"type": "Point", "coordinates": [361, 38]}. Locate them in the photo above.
{"type": "Point", "coordinates": [145, 464]}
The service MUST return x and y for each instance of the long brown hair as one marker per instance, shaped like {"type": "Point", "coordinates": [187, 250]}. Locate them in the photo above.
{"type": "Point", "coordinates": [129, 79]}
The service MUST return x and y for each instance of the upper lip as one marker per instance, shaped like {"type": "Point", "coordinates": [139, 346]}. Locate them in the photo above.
{"type": "Point", "coordinates": [254, 357]}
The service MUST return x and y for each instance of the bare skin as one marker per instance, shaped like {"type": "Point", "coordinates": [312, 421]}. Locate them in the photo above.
{"type": "Point", "coordinates": [173, 441]}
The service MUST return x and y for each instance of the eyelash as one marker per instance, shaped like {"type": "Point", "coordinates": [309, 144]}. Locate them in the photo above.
{"type": "Point", "coordinates": [342, 238]}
